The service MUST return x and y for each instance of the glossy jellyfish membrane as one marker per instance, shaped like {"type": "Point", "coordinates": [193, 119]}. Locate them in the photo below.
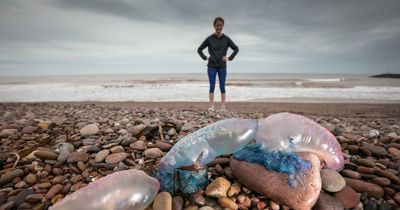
{"type": "Point", "coordinates": [199, 148]}
{"type": "Point", "coordinates": [295, 133]}
{"type": "Point", "coordinates": [131, 189]}
{"type": "Point", "coordinates": [220, 138]}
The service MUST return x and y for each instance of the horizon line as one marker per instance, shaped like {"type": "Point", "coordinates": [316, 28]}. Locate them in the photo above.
{"type": "Point", "coordinates": [194, 73]}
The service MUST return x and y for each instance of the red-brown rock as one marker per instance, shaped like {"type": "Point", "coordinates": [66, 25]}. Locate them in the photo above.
{"type": "Point", "coordinates": [326, 202]}
{"type": "Point", "coordinates": [348, 197]}
{"type": "Point", "coordinates": [77, 156]}
{"type": "Point", "coordinates": [275, 185]}
{"type": "Point", "coordinates": [371, 189]}
{"type": "Point", "coordinates": [54, 191]}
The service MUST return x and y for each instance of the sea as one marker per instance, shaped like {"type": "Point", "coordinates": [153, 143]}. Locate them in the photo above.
{"type": "Point", "coordinates": [296, 88]}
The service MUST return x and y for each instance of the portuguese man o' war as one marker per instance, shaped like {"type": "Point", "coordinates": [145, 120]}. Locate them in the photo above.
{"type": "Point", "coordinates": [295, 133]}
{"type": "Point", "coordinates": [129, 189]}
{"type": "Point", "coordinates": [281, 135]}
{"type": "Point", "coordinates": [197, 149]}
{"type": "Point", "coordinates": [201, 147]}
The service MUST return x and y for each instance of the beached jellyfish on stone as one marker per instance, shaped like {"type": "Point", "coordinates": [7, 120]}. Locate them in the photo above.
{"type": "Point", "coordinates": [280, 135]}
{"type": "Point", "coordinates": [201, 147]}
{"type": "Point", "coordinates": [289, 132]}
{"type": "Point", "coordinates": [131, 189]}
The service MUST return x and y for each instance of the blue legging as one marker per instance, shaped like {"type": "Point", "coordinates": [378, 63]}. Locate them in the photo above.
{"type": "Point", "coordinates": [212, 74]}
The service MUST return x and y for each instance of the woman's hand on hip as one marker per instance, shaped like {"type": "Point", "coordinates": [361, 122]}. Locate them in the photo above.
{"type": "Point", "coordinates": [226, 59]}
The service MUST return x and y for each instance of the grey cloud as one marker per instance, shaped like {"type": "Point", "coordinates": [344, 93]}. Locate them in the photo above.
{"type": "Point", "coordinates": [361, 34]}
{"type": "Point", "coordinates": [116, 8]}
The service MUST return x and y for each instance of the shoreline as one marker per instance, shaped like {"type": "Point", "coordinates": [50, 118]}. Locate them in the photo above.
{"type": "Point", "coordinates": [362, 110]}
{"type": "Point", "coordinates": [303, 100]}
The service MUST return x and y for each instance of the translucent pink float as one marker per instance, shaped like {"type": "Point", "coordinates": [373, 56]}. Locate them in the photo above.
{"type": "Point", "coordinates": [296, 133]}
{"type": "Point", "coordinates": [130, 189]}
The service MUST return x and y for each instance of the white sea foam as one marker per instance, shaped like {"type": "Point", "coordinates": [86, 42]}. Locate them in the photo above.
{"type": "Point", "coordinates": [326, 79]}
{"type": "Point", "coordinates": [194, 88]}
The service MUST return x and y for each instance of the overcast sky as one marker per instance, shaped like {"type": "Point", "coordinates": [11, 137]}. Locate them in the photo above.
{"type": "Point", "coordinates": [57, 37]}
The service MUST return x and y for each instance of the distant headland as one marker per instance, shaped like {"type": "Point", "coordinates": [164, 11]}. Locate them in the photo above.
{"type": "Point", "coordinates": [388, 75]}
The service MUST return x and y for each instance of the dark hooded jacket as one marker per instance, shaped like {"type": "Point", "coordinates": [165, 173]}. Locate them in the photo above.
{"type": "Point", "coordinates": [217, 48]}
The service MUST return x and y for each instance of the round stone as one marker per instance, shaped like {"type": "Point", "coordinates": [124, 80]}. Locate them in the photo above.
{"type": "Point", "coordinates": [192, 208]}
{"type": "Point", "coordinates": [394, 151]}
{"type": "Point", "coordinates": [366, 162]}
{"type": "Point", "coordinates": [163, 201]}
{"type": "Point", "coordinates": [54, 190]}
{"type": "Point", "coordinates": [371, 204]}
{"type": "Point", "coordinates": [117, 149]}
{"type": "Point", "coordinates": [348, 197]}
{"type": "Point", "coordinates": [127, 141]}
{"type": "Point", "coordinates": [81, 166]}
{"type": "Point", "coordinates": [91, 129]}
{"type": "Point", "coordinates": [116, 157]}
{"type": "Point", "coordinates": [373, 134]}
{"type": "Point", "coordinates": [74, 157]}
{"type": "Point", "coordinates": [198, 199]}
{"type": "Point", "coordinates": [122, 132]}
{"type": "Point", "coordinates": [234, 190]}
{"type": "Point", "coordinates": [171, 132]}
{"type": "Point", "coordinates": [63, 156]}
{"type": "Point", "coordinates": [396, 197]}
{"type": "Point", "coordinates": [109, 130]}
{"type": "Point", "coordinates": [28, 130]}
{"type": "Point", "coordinates": [227, 203]}
{"type": "Point", "coordinates": [332, 181]}
{"type": "Point", "coordinates": [93, 149]}
{"type": "Point", "coordinates": [34, 198]}
{"type": "Point", "coordinates": [138, 145]}
{"type": "Point", "coordinates": [101, 156]}
{"type": "Point", "coordinates": [326, 201]}
{"type": "Point", "coordinates": [163, 146]}
{"type": "Point", "coordinates": [177, 203]}
{"type": "Point", "coordinates": [392, 135]}
{"type": "Point", "coordinates": [381, 181]}
{"type": "Point", "coordinates": [351, 174]}
{"type": "Point", "coordinates": [274, 205]}
{"type": "Point", "coordinates": [7, 132]}
{"type": "Point", "coordinates": [373, 190]}
{"type": "Point", "coordinates": [44, 124]}
{"type": "Point", "coordinates": [21, 184]}
{"type": "Point", "coordinates": [10, 176]}
{"type": "Point", "coordinates": [46, 155]}
{"type": "Point", "coordinates": [20, 197]}
{"type": "Point", "coordinates": [376, 150]}
{"type": "Point", "coordinates": [244, 200]}
{"type": "Point", "coordinates": [31, 179]}
{"type": "Point", "coordinates": [218, 188]}
{"type": "Point", "coordinates": [206, 208]}
{"type": "Point", "coordinates": [153, 153]}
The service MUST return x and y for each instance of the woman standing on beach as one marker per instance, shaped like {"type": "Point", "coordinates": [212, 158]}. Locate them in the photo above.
{"type": "Point", "coordinates": [217, 44]}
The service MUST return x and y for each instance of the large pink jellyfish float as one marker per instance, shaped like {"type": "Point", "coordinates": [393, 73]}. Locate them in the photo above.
{"type": "Point", "coordinates": [292, 132]}
{"type": "Point", "coordinates": [124, 190]}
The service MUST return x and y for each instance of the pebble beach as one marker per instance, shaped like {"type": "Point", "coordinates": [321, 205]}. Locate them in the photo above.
{"type": "Point", "coordinates": [50, 150]}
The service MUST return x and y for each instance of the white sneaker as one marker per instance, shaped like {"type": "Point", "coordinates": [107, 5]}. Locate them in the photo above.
{"type": "Point", "coordinates": [211, 108]}
{"type": "Point", "coordinates": [223, 109]}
